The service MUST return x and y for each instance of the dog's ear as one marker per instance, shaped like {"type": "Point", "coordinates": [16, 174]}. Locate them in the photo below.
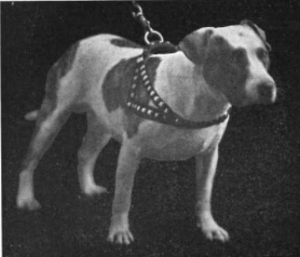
{"type": "Point", "coordinates": [258, 31]}
{"type": "Point", "coordinates": [195, 44]}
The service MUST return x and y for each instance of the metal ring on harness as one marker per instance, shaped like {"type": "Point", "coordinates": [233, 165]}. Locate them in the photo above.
{"type": "Point", "coordinates": [149, 32]}
{"type": "Point", "coordinates": [153, 33]}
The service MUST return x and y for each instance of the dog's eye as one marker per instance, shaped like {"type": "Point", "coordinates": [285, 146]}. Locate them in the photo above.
{"type": "Point", "coordinates": [237, 55]}
{"type": "Point", "coordinates": [262, 54]}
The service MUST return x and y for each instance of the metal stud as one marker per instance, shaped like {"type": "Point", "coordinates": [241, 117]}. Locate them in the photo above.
{"type": "Point", "coordinates": [147, 82]}
{"type": "Point", "coordinates": [145, 77]}
{"type": "Point", "coordinates": [138, 107]}
{"type": "Point", "coordinates": [161, 104]}
{"type": "Point", "coordinates": [133, 86]}
{"type": "Point", "coordinates": [129, 104]}
{"type": "Point", "coordinates": [152, 93]}
{"type": "Point", "coordinates": [177, 120]}
{"type": "Point", "coordinates": [140, 59]}
{"type": "Point", "coordinates": [149, 88]}
{"type": "Point", "coordinates": [135, 78]}
{"type": "Point", "coordinates": [166, 110]}
{"type": "Point", "coordinates": [149, 112]}
{"type": "Point", "coordinates": [143, 110]}
{"type": "Point", "coordinates": [143, 72]}
{"type": "Point", "coordinates": [156, 98]}
{"type": "Point", "coordinates": [156, 115]}
{"type": "Point", "coordinates": [132, 94]}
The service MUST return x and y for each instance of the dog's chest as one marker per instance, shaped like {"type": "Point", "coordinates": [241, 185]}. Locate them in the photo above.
{"type": "Point", "coordinates": [170, 143]}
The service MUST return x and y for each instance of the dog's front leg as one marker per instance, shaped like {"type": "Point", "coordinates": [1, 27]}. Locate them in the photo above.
{"type": "Point", "coordinates": [127, 165]}
{"type": "Point", "coordinates": [205, 171]}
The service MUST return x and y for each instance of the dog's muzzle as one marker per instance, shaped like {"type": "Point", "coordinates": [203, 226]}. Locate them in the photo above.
{"type": "Point", "coordinates": [267, 92]}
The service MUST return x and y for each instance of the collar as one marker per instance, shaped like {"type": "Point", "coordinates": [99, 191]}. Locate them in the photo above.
{"type": "Point", "coordinates": [161, 113]}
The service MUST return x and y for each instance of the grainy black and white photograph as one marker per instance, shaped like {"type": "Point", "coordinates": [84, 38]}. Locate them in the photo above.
{"type": "Point", "coordinates": [150, 128]}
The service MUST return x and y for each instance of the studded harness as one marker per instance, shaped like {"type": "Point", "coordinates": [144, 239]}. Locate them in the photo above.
{"type": "Point", "coordinates": [161, 113]}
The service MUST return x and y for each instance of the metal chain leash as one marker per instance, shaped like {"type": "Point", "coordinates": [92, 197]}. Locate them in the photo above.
{"type": "Point", "coordinates": [151, 36]}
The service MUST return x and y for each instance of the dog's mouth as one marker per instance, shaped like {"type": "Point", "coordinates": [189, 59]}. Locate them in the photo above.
{"type": "Point", "coordinates": [264, 93]}
{"type": "Point", "coordinates": [248, 101]}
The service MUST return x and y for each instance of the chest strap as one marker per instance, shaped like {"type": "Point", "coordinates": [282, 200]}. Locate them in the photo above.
{"type": "Point", "coordinates": [161, 113]}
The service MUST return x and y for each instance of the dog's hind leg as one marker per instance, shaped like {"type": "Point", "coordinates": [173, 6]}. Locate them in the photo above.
{"type": "Point", "coordinates": [62, 89]}
{"type": "Point", "coordinates": [48, 125]}
{"type": "Point", "coordinates": [96, 138]}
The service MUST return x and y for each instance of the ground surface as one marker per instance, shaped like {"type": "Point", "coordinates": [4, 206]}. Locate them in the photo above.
{"type": "Point", "coordinates": [256, 194]}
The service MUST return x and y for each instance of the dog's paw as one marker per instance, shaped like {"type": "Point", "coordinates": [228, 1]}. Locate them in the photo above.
{"type": "Point", "coordinates": [213, 231]}
{"type": "Point", "coordinates": [94, 190]}
{"type": "Point", "coordinates": [120, 235]}
{"type": "Point", "coordinates": [29, 204]}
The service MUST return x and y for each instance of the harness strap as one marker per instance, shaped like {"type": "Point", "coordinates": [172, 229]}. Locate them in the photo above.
{"type": "Point", "coordinates": [161, 112]}
{"type": "Point", "coordinates": [160, 48]}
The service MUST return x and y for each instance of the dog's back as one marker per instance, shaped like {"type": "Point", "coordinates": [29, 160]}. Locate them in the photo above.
{"type": "Point", "coordinates": [80, 72]}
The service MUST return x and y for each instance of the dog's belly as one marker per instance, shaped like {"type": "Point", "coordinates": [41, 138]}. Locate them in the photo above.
{"type": "Point", "coordinates": [161, 142]}
{"type": "Point", "coordinates": [176, 149]}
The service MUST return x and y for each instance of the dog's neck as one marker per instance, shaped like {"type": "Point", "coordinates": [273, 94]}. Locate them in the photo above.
{"type": "Point", "coordinates": [181, 84]}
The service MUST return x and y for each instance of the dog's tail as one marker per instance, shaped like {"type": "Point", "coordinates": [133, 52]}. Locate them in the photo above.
{"type": "Point", "coordinates": [31, 116]}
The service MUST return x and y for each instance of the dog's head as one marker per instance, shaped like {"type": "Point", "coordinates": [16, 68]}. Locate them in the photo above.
{"type": "Point", "coordinates": [234, 60]}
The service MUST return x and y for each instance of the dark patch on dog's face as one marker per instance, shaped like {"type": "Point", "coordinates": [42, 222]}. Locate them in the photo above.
{"type": "Point", "coordinates": [116, 87]}
{"type": "Point", "coordinates": [226, 69]}
{"type": "Point", "coordinates": [124, 43]}
{"type": "Point", "coordinates": [56, 72]}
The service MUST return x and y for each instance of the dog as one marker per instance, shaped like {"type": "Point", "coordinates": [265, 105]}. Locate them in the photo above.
{"type": "Point", "coordinates": [106, 77]}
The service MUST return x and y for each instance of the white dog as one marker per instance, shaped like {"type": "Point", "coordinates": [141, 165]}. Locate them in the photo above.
{"type": "Point", "coordinates": [169, 106]}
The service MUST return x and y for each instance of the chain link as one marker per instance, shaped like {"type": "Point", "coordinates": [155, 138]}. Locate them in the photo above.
{"type": "Point", "coordinates": [150, 33]}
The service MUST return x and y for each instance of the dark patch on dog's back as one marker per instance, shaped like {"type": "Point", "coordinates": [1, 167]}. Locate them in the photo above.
{"type": "Point", "coordinates": [116, 87]}
{"type": "Point", "coordinates": [121, 42]}
{"type": "Point", "coordinates": [57, 71]}
{"type": "Point", "coordinates": [67, 59]}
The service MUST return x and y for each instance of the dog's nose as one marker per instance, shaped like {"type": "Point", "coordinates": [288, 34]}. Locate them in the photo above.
{"type": "Point", "coordinates": [267, 92]}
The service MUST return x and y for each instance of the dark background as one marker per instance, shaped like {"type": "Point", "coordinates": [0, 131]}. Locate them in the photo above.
{"type": "Point", "coordinates": [256, 193]}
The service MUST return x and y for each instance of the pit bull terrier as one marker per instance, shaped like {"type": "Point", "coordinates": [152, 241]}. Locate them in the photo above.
{"type": "Point", "coordinates": [169, 106]}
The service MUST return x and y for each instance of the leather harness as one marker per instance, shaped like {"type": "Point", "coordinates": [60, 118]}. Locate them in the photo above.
{"type": "Point", "coordinates": [161, 113]}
